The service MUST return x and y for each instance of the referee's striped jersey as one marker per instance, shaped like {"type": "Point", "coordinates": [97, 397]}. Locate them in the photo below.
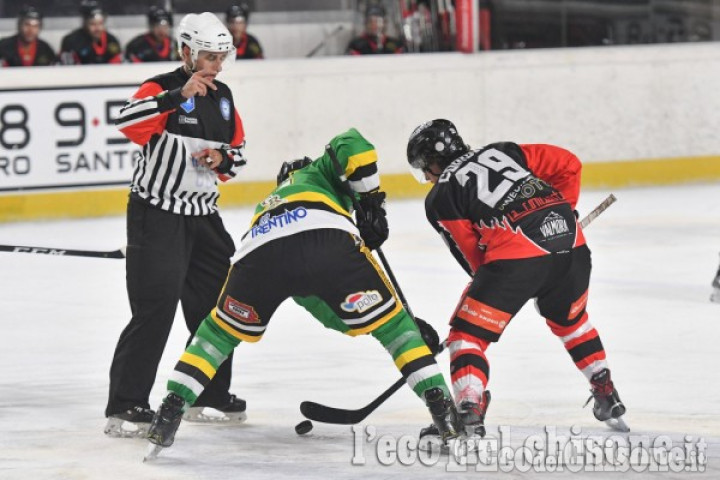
{"type": "Point", "coordinates": [171, 128]}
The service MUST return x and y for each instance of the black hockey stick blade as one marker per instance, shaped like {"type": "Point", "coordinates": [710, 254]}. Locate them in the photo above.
{"type": "Point", "coordinates": [63, 252]}
{"type": "Point", "coordinates": [338, 416]}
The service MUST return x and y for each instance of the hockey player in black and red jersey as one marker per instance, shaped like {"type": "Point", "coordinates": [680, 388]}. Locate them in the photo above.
{"type": "Point", "coordinates": [26, 49]}
{"type": "Point", "coordinates": [177, 248]}
{"type": "Point", "coordinates": [156, 45]}
{"type": "Point", "coordinates": [247, 47]}
{"type": "Point", "coordinates": [506, 211]}
{"type": "Point", "coordinates": [91, 43]}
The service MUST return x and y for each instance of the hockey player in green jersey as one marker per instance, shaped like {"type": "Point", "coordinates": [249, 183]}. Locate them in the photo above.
{"type": "Point", "coordinates": [303, 243]}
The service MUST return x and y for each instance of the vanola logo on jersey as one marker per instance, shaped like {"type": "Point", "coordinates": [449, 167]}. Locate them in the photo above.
{"type": "Point", "coordinates": [553, 225]}
{"type": "Point", "coordinates": [281, 220]}
{"type": "Point", "coordinates": [361, 301]}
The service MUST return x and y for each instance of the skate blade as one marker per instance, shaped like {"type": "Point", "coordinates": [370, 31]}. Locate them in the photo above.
{"type": "Point", "coordinates": [117, 428]}
{"type": "Point", "coordinates": [152, 452]}
{"type": "Point", "coordinates": [715, 297]}
{"type": "Point", "coordinates": [458, 447]}
{"type": "Point", "coordinates": [211, 416]}
{"type": "Point", "coordinates": [618, 424]}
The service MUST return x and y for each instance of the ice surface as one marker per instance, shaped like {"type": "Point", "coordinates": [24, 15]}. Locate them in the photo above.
{"type": "Point", "coordinates": [655, 252]}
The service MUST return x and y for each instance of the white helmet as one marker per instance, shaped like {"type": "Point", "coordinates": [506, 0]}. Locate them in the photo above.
{"type": "Point", "coordinates": [203, 32]}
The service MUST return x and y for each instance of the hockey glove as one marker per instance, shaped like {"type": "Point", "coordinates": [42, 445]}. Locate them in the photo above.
{"type": "Point", "coordinates": [429, 335]}
{"type": "Point", "coordinates": [288, 167]}
{"type": "Point", "coordinates": [372, 223]}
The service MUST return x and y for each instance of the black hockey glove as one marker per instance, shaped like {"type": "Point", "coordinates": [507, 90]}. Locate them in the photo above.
{"type": "Point", "coordinates": [429, 335]}
{"type": "Point", "coordinates": [372, 223]}
{"type": "Point", "coordinates": [288, 167]}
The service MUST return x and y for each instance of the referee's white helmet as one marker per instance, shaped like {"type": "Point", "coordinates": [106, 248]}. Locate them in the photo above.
{"type": "Point", "coordinates": [204, 32]}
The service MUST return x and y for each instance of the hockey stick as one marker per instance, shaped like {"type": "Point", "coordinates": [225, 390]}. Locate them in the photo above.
{"type": "Point", "coordinates": [119, 253]}
{"type": "Point", "coordinates": [322, 43]}
{"type": "Point", "coordinates": [598, 210]}
{"type": "Point", "coordinates": [356, 205]}
{"type": "Point", "coordinates": [340, 416]}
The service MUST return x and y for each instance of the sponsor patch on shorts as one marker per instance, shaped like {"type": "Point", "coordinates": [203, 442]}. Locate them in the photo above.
{"type": "Point", "coordinates": [240, 311]}
{"type": "Point", "coordinates": [482, 315]}
{"type": "Point", "coordinates": [361, 301]}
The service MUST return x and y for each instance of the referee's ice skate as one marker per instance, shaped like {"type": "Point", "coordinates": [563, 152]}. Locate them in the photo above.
{"type": "Point", "coordinates": [132, 423]}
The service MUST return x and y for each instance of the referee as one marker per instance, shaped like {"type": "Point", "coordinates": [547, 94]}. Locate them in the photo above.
{"type": "Point", "coordinates": [177, 247]}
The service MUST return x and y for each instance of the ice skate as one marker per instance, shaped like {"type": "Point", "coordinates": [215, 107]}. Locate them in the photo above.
{"type": "Point", "coordinates": [232, 412]}
{"type": "Point", "coordinates": [132, 423]}
{"type": "Point", "coordinates": [715, 296]}
{"type": "Point", "coordinates": [164, 425]}
{"type": "Point", "coordinates": [472, 414]}
{"type": "Point", "coordinates": [446, 425]}
{"type": "Point", "coordinates": [608, 407]}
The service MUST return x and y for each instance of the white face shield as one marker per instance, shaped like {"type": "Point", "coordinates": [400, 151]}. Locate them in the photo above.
{"type": "Point", "coordinates": [417, 166]}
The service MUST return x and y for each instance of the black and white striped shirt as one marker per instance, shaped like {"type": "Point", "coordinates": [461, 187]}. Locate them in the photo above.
{"type": "Point", "coordinates": [170, 129]}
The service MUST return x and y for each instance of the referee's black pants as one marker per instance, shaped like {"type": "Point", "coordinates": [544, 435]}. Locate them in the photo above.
{"type": "Point", "coordinates": [171, 258]}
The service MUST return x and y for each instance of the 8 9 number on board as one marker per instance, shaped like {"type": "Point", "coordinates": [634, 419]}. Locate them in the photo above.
{"type": "Point", "coordinates": [14, 133]}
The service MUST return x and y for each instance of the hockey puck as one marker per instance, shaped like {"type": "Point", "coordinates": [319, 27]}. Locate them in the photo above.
{"type": "Point", "coordinates": [303, 427]}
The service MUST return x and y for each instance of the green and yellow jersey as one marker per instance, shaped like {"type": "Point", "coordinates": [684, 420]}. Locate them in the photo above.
{"type": "Point", "coordinates": [313, 197]}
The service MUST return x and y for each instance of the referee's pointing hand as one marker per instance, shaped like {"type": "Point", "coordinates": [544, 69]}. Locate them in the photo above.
{"type": "Point", "coordinates": [198, 83]}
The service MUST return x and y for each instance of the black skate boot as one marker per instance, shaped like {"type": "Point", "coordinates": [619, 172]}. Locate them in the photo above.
{"type": "Point", "coordinates": [132, 423]}
{"type": "Point", "coordinates": [473, 413]}
{"type": "Point", "coordinates": [231, 412]}
{"type": "Point", "coordinates": [166, 421]}
{"type": "Point", "coordinates": [715, 296]}
{"type": "Point", "coordinates": [608, 407]}
{"type": "Point", "coordinates": [446, 424]}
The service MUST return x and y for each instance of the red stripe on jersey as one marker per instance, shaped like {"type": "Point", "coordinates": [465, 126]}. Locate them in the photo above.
{"type": "Point", "coordinates": [585, 362]}
{"type": "Point", "coordinates": [557, 166]}
{"type": "Point", "coordinates": [469, 370]}
{"type": "Point", "coordinates": [581, 339]}
{"type": "Point", "coordinates": [141, 132]}
{"type": "Point", "coordinates": [503, 242]}
{"type": "Point", "coordinates": [239, 135]}
{"type": "Point", "coordinates": [578, 305]}
{"type": "Point", "coordinates": [466, 239]}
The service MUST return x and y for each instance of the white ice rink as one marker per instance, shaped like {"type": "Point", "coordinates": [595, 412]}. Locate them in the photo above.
{"type": "Point", "coordinates": [655, 252]}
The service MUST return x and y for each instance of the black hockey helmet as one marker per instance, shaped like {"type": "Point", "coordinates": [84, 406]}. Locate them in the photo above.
{"type": "Point", "coordinates": [91, 9]}
{"type": "Point", "coordinates": [434, 142]}
{"type": "Point", "coordinates": [28, 12]}
{"type": "Point", "coordinates": [158, 15]}
{"type": "Point", "coordinates": [235, 11]}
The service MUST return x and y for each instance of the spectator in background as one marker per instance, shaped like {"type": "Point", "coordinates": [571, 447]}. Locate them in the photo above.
{"type": "Point", "coordinates": [26, 49]}
{"type": "Point", "coordinates": [247, 46]}
{"type": "Point", "coordinates": [156, 45]}
{"type": "Point", "coordinates": [91, 43]}
{"type": "Point", "coordinates": [374, 40]}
